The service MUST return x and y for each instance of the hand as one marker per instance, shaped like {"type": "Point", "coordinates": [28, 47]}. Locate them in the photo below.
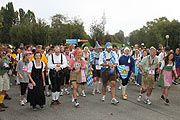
{"type": "Point", "coordinates": [112, 70]}
{"type": "Point", "coordinates": [132, 74]}
{"type": "Point", "coordinates": [20, 76]}
{"type": "Point", "coordinates": [77, 69]}
{"type": "Point", "coordinates": [33, 83]}
{"type": "Point", "coordinates": [58, 65]}
{"type": "Point", "coordinates": [177, 76]}
{"type": "Point", "coordinates": [110, 65]}
{"type": "Point", "coordinates": [57, 69]}
{"type": "Point", "coordinates": [159, 78]}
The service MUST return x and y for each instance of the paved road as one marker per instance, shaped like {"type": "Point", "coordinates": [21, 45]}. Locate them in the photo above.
{"type": "Point", "coordinates": [92, 108]}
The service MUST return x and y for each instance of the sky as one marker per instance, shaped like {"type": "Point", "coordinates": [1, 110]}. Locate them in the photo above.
{"type": "Point", "coordinates": [125, 15]}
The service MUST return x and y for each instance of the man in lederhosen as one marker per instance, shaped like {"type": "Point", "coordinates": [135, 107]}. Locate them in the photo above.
{"type": "Point", "coordinates": [56, 62]}
{"type": "Point", "coordinates": [108, 61]}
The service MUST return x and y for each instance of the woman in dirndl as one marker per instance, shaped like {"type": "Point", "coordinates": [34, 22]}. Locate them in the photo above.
{"type": "Point", "coordinates": [165, 76]}
{"type": "Point", "coordinates": [36, 82]}
{"type": "Point", "coordinates": [77, 75]}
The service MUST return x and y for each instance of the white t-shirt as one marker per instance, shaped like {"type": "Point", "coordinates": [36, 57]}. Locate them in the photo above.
{"type": "Point", "coordinates": [163, 64]}
{"type": "Point", "coordinates": [30, 66]}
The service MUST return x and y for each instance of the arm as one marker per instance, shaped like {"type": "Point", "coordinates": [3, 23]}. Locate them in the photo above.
{"type": "Point", "coordinates": [50, 64]}
{"type": "Point", "coordinates": [30, 78]}
{"type": "Point", "coordinates": [64, 65]}
{"type": "Point", "coordinates": [18, 70]}
{"type": "Point", "coordinates": [44, 84]}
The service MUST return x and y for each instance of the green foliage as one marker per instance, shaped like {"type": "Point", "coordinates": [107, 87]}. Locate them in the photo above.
{"type": "Point", "coordinates": [155, 31]}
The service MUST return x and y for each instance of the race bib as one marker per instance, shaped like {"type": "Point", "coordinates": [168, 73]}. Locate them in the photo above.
{"type": "Point", "coordinates": [77, 65]}
{"type": "Point", "coordinates": [151, 72]}
{"type": "Point", "coordinates": [107, 61]}
{"type": "Point", "coordinates": [30, 86]}
{"type": "Point", "coordinates": [98, 67]}
{"type": "Point", "coordinates": [25, 68]}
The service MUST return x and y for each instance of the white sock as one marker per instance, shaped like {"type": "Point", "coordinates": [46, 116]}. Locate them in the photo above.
{"type": "Point", "coordinates": [98, 85]}
{"type": "Point", "coordinates": [95, 85]}
{"type": "Point", "coordinates": [57, 95]}
{"type": "Point", "coordinates": [65, 89]}
{"type": "Point", "coordinates": [53, 96]}
{"type": "Point", "coordinates": [62, 90]}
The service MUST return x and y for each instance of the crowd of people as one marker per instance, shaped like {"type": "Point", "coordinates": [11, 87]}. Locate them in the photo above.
{"type": "Point", "coordinates": [42, 72]}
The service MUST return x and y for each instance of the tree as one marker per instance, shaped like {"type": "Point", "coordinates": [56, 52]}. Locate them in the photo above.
{"type": "Point", "coordinates": [96, 33]}
{"type": "Point", "coordinates": [119, 37]}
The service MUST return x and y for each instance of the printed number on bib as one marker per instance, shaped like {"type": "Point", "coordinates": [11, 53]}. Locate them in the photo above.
{"type": "Point", "coordinates": [98, 67]}
{"type": "Point", "coordinates": [152, 72]}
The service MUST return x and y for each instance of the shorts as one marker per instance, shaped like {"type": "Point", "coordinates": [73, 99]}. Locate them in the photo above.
{"type": "Point", "coordinates": [147, 81]}
{"type": "Point", "coordinates": [108, 77]}
{"type": "Point", "coordinates": [96, 73]}
{"type": "Point", "coordinates": [23, 88]}
{"type": "Point", "coordinates": [4, 82]}
{"type": "Point", "coordinates": [75, 76]}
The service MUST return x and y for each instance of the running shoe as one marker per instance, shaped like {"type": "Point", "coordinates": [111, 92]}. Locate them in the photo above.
{"type": "Point", "coordinates": [103, 98]}
{"type": "Point", "coordinates": [147, 101]}
{"type": "Point", "coordinates": [139, 98]}
{"type": "Point", "coordinates": [125, 96]}
{"type": "Point", "coordinates": [162, 97]}
{"type": "Point", "coordinates": [76, 103]}
{"type": "Point", "coordinates": [114, 101]}
{"type": "Point", "coordinates": [167, 101]}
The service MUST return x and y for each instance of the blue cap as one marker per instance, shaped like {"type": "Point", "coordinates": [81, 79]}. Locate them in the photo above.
{"type": "Point", "coordinates": [109, 45]}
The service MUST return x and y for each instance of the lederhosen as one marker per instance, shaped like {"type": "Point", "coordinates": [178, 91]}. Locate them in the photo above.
{"type": "Point", "coordinates": [36, 93]}
{"type": "Point", "coordinates": [56, 77]}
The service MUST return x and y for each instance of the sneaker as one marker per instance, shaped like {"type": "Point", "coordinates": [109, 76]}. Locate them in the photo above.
{"type": "Point", "coordinates": [98, 91]}
{"type": "Point", "coordinates": [67, 92]}
{"type": "Point", "coordinates": [61, 93]}
{"type": "Point", "coordinates": [139, 98]}
{"type": "Point", "coordinates": [34, 108]}
{"type": "Point", "coordinates": [7, 97]}
{"type": "Point", "coordinates": [52, 103]}
{"type": "Point", "coordinates": [175, 83]}
{"type": "Point", "coordinates": [124, 96]}
{"type": "Point", "coordinates": [162, 97]}
{"type": "Point", "coordinates": [114, 101]}
{"type": "Point", "coordinates": [103, 99]}
{"type": "Point", "coordinates": [148, 101]}
{"type": "Point", "coordinates": [41, 107]}
{"type": "Point", "coordinates": [2, 105]}
{"type": "Point", "coordinates": [76, 103]}
{"type": "Point", "coordinates": [83, 94]}
{"type": "Point", "coordinates": [22, 103]}
{"type": "Point", "coordinates": [93, 92]}
{"type": "Point", "coordinates": [120, 87]}
{"type": "Point", "coordinates": [48, 94]}
{"type": "Point", "coordinates": [167, 101]}
{"type": "Point", "coordinates": [58, 103]}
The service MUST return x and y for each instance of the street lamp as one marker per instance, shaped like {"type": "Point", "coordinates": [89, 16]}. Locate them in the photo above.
{"type": "Point", "coordinates": [167, 37]}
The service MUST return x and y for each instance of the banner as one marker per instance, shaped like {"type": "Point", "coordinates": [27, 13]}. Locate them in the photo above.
{"type": "Point", "coordinates": [123, 70]}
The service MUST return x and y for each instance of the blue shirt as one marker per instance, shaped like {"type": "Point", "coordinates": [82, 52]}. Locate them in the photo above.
{"type": "Point", "coordinates": [123, 60]}
{"type": "Point", "coordinates": [177, 58]}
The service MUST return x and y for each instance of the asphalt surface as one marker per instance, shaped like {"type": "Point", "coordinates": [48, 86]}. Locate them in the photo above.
{"type": "Point", "coordinates": [91, 107]}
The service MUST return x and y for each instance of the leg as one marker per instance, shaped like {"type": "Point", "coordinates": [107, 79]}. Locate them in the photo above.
{"type": "Point", "coordinates": [113, 84]}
